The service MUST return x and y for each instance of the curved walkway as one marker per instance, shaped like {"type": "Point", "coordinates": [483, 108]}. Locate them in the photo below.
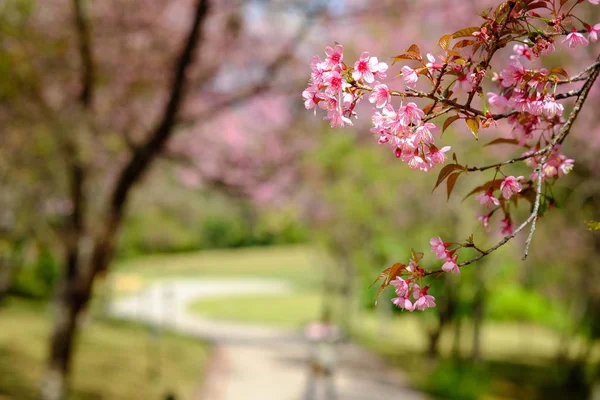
{"type": "Point", "coordinates": [256, 362]}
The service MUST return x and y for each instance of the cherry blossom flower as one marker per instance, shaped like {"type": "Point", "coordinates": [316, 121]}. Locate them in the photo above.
{"type": "Point", "coordinates": [403, 303]}
{"type": "Point", "coordinates": [485, 221]}
{"type": "Point", "coordinates": [499, 101]}
{"type": "Point", "coordinates": [593, 32]}
{"type": "Point", "coordinates": [424, 300]}
{"type": "Point", "coordinates": [401, 286]}
{"type": "Point", "coordinates": [380, 95]}
{"type": "Point", "coordinates": [335, 56]}
{"type": "Point", "coordinates": [437, 155]}
{"type": "Point", "coordinates": [410, 113]}
{"type": "Point", "coordinates": [450, 264]}
{"type": "Point", "coordinates": [575, 39]}
{"type": "Point", "coordinates": [438, 246]}
{"type": "Point", "coordinates": [410, 75]}
{"type": "Point", "coordinates": [465, 82]}
{"type": "Point", "coordinates": [424, 133]}
{"type": "Point", "coordinates": [510, 185]}
{"type": "Point", "coordinates": [487, 199]}
{"type": "Point", "coordinates": [310, 98]}
{"type": "Point", "coordinates": [551, 108]}
{"type": "Point", "coordinates": [594, 2]}
{"type": "Point", "coordinates": [513, 74]}
{"type": "Point", "coordinates": [334, 81]}
{"type": "Point", "coordinates": [506, 226]}
{"type": "Point", "coordinates": [432, 66]}
{"type": "Point", "coordinates": [368, 68]}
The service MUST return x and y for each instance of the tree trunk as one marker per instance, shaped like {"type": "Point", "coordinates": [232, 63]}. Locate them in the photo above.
{"type": "Point", "coordinates": [5, 275]}
{"type": "Point", "coordinates": [68, 310]}
{"type": "Point", "coordinates": [447, 314]}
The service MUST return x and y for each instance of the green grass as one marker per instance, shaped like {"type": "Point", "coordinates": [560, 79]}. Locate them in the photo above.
{"type": "Point", "coordinates": [290, 311]}
{"type": "Point", "coordinates": [300, 265]}
{"type": "Point", "coordinates": [112, 361]}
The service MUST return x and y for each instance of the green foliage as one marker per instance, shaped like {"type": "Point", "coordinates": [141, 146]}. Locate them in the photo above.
{"type": "Point", "coordinates": [514, 303]}
{"type": "Point", "coordinates": [457, 380]}
{"type": "Point", "coordinates": [37, 280]}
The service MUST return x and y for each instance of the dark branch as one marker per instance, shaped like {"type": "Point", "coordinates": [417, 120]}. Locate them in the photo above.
{"type": "Point", "coordinates": [85, 52]}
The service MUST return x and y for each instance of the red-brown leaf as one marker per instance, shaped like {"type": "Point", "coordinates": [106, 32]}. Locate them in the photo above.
{"type": "Point", "coordinates": [447, 170]}
{"type": "Point", "coordinates": [503, 141]}
{"type": "Point", "coordinates": [451, 182]}
{"type": "Point", "coordinates": [465, 32]}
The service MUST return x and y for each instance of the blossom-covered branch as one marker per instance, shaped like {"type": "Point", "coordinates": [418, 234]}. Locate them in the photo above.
{"type": "Point", "coordinates": [525, 96]}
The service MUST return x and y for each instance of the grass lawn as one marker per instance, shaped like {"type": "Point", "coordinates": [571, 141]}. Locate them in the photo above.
{"type": "Point", "coordinates": [300, 265]}
{"type": "Point", "coordinates": [290, 311]}
{"type": "Point", "coordinates": [113, 360]}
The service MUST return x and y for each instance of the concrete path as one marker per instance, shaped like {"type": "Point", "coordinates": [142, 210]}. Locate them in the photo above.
{"type": "Point", "coordinates": [256, 362]}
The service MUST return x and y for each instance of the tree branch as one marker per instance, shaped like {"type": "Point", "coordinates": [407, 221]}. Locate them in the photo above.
{"type": "Point", "coordinates": [545, 152]}
{"type": "Point", "coordinates": [87, 62]}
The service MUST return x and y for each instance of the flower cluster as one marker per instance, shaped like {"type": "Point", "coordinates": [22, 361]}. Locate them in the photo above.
{"type": "Point", "coordinates": [555, 166]}
{"type": "Point", "coordinates": [337, 88]}
{"type": "Point", "coordinates": [410, 137]}
{"type": "Point", "coordinates": [507, 187]}
{"type": "Point", "coordinates": [440, 249]}
{"type": "Point", "coordinates": [406, 288]}
{"type": "Point", "coordinates": [330, 87]}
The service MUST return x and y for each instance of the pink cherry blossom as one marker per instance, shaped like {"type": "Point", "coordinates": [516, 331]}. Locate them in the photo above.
{"type": "Point", "coordinates": [335, 56]}
{"type": "Point", "coordinates": [485, 221]}
{"type": "Point", "coordinates": [424, 133]}
{"type": "Point", "coordinates": [465, 82]}
{"type": "Point", "coordinates": [380, 95]}
{"type": "Point", "coordinates": [404, 303]}
{"type": "Point", "coordinates": [410, 76]}
{"type": "Point", "coordinates": [593, 32]}
{"type": "Point", "coordinates": [450, 264]}
{"type": "Point", "coordinates": [334, 81]}
{"type": "Point", "coordinates": [410, 113]}
{"type": "Point", "coordinates": [513, 74]}
{"type": "Point", "coordinates": [594, 2]}
{"type": "Point", "coordinates": [438, 247]}
{"type": "Point", "coordinates": [499, 101]}
{"type": "Point", "coordinates": [310, 98]}
{"type": "Point", "coordinates": [424, 300]}
{"type": "Point", "coordinates": [367, 68]}
{"type": "Point", "coordinates": [551, 108]}
{"type": "Point", "coordinates": [487, 199]}
{"type": "Point", "coordinates": [437, 155]}
{"type": "Point", "coordinates": [575, 39]}
{"type": "Point", "coordinates": [506, 226]}
{"type": "Point", "coordinates": [510, 185]}
{"type": "Point", "coordinates": [432, 65]}
{"type": "Point", "coordinates": [401, 286]}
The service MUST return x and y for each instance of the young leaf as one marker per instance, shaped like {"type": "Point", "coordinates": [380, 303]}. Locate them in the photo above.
{"type": "Point", "coordinates": [447, 170]}
{"type": "Point", "coordinates": [466, 32]}
{"type": "Point", "coordinates": [464, 43]}
{"type": "Point", "coordinates": [449, 121]}
{"type": "Point", "coordinates": [414, 49]}
{"type": "Point", "coordinates": [473, 124]}
{"type": "Point", "coordinates": [451, 182]}
{"type": "Point", "coordinates": [444, 41]}
{"type": "Point", "coordinates": [417, 256]}
{"type": "Point", "coordinates": [388, 275]}
{"type": "Point", "coordinates": [406, 56]}
{"type": "Point", "coordinates": [495, 185]}
{"type": "Point", "coordinates": [503, 141]}
{"type": "Point", "coordinates": [560, 71]}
